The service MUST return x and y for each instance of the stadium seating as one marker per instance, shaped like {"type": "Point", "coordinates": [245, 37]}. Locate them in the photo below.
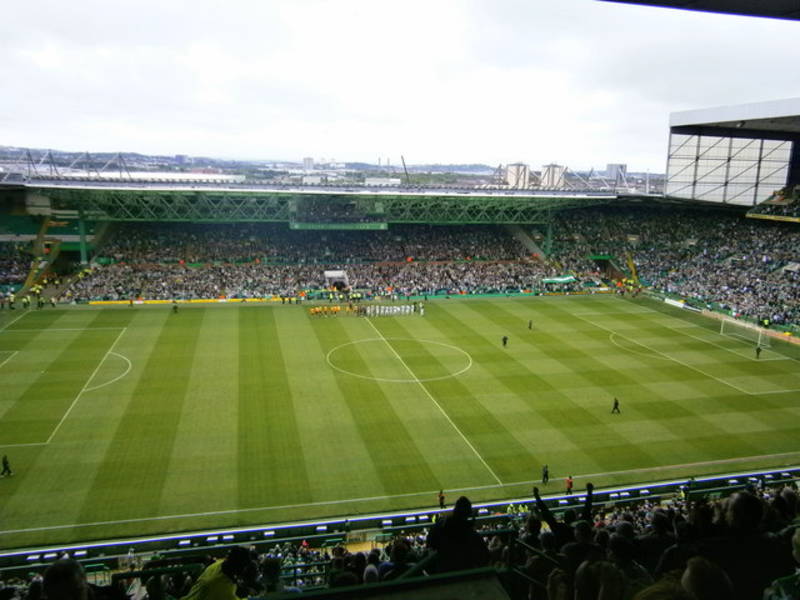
{"type": "Point", "coordinates": [713, 258]}
{"type": "Point", "coordinates": [739, 543]}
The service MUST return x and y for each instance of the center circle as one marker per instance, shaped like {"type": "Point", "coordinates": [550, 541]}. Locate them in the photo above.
{"type": "Point", "coordinates": [455, 361]}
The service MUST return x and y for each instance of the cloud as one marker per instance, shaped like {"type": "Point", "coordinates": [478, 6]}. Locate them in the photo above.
{"type": "Point", "coordinates": [579, 82]}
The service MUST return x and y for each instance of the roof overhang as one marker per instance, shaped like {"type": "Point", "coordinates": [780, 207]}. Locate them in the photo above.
{"type": "Point", "coordinates": [774, 9]}
{"type": "Point", "coordinates": [775, 120]}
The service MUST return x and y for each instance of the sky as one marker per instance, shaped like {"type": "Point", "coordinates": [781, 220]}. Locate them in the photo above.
{"type": "Point", "coordinates": [577, 82]}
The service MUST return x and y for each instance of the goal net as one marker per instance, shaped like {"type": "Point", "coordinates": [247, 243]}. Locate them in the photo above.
{"type": "Point", "coordinates": [744, 331]}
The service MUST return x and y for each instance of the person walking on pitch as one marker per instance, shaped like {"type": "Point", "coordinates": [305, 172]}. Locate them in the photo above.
{"type": "Point", "coordinates": [6, 467]}
{"type": "Point", "coordinates": [545, 474]}
{"type": "Point", "coordinates": [615, 409]}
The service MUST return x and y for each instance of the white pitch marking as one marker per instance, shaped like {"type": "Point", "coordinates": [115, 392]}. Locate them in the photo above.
{"type": "Point", "coordinates": [446, 416]}
{"type": "Point", "coordinates": [117, 378]}
{"type": "Point", "coordinates": [85, 386]}
{"type": "Point", "coordinates": [7, 325]}
{"type": "Point", "coordinates": [19, 445]}
{"type": "Point", "coordinates": [731, 350]}
{"type": "Point", "coordinates": [687, 365]}
{"type": "Point", "coordinates": [647, 354]}
{"type": "Point", "coordinates": [69, 329]}
{"type": "Point", "coordinates": [12, 355]}
{"type": "Point", "coordinates": [213, 513]}
{"type": "Point", "coordinates": [388, 380]}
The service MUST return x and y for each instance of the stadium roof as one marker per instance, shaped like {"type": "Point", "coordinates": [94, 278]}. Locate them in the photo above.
{"type": "Point", "coordinates": [776, 119]}
{"type": "Point", "coordinates": [775, 9]}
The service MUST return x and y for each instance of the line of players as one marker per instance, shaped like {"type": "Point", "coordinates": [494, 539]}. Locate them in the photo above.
{"type": "Point", "coordinates": [10, 301]}
{"type": "Point", "coordinates": [368, 310]}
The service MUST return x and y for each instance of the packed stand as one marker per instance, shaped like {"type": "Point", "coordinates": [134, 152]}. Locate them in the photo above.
{"type": "Point", "coordinates": [163, 261]}
{"type": "Point", "coordinates": [707, 256]}
{"type": "Point", "coordinates": [164, 282]}
{"type": "Point", "coordinates": [14, 265]}
{"type": "Point", "coordinates": [783, 203]}
{"type": "Point", "coordinates": [149, 243]}
{"type": "Point", "coordinates": [743, 547]}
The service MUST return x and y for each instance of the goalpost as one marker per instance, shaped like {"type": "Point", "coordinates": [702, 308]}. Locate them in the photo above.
{"type": "Point", "coordinates": [744, 330]}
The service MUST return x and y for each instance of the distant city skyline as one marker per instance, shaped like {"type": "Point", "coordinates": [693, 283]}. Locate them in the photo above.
{"type": "Point", "coordinates": [578, 83]}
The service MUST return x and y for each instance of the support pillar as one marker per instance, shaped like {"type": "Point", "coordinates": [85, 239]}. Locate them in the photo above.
{"type": "Point", "coordinates": [82, 232]}
{"type": "Point", "coordinates": [548, 236]}
{"type": "Point", "coordinates": [793, 173]}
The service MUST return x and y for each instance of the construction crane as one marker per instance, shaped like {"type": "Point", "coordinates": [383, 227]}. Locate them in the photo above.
{"type": "Point", "coordinates": [408, 179]}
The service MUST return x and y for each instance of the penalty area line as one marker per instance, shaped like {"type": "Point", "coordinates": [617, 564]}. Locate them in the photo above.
{"type": "Point", "coordinates": [431, 493]}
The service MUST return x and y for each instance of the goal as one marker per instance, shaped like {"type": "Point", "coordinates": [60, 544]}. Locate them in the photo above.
{"type": "Point", "coordinates": [744, 330]}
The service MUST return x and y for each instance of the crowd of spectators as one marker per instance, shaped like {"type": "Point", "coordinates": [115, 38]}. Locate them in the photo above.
{"type": "Point", "coordinates": [163, 261]}
{"type": "Point", "coordinates": [163, 282]}
{"type": "Point", "coordinates": [729, 548]}
{"type": "Point", "coordinates": [14, 265]}
{"type": "Point", "coordinates": [707, 256]}
{"type": "Point", "coordinates": [143, 243]}
{"type": "Point", "coordinates": [789, 209]}
{"type": "Point", "coordinates": [742, 547]}
{"type": "Point", "coordinates": [714, 258]}
{"type": "Point", "coordinates": [784, 203]}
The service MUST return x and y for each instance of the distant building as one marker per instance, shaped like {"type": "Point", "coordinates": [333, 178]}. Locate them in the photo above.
{"type": "Point", "coordinates": [314, 179]}
{"type": "Point", "coordinates": [182, 159]}
{"type": "Point", "coordinates": [308, 163]}
{"type": "Point", "coordinates": [616, 172]}
{"type": "Point", "coordinates": [518, 176]}
{"type": "Point", "coordinates": [553, 177]}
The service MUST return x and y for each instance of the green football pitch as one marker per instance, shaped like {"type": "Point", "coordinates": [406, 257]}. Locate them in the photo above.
{"type": "Point", "coordinates": [134, 421]}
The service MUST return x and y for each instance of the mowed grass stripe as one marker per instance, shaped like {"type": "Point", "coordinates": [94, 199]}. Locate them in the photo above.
{"type": "Point", "coordinates": [549, 408]}
{"type": "Point", "coordinates": [718, 409]}
{"type": "Point", "coordinates": [591, 426]}
{"type": "Point", "coordinates": [395, 456]}
{"type": "Point", "coordinates": [613, 364]}
{"type": "Point", "coordinates": [130, 479]}
{"type": "Point", "coordinates": [37, 411]}
{"type": "Point", "coordinates": [32, 319]}
{"type": "Point", "coordinates": [16, 489]}
{"type": "Point", "coordinates": [495, 444]}
{"type": "Point", "coordinates": [680, 416]}
{"type": "Point", "coordinates": [450, 453]}
{"type": "Point", "coordinates": [719, 360]}
{"type": "Point", "coordinates": [206, 438]}
{"type": "Point", "coordinates": [60, 491]}
{"type": "Point", "coordinates": [271, 462]}
{"type": "Point", "coordinates": [712, 326]}
{"type": "Point", "coordinates": [23, 367]}
{"type": "Point", "coordinates": [330, 438]}
{"type": "Point", "coordinates": [599, 375]}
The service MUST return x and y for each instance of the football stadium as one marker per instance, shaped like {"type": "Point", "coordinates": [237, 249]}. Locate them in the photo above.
{"type": "Point", "coordinates": [436, 391]}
